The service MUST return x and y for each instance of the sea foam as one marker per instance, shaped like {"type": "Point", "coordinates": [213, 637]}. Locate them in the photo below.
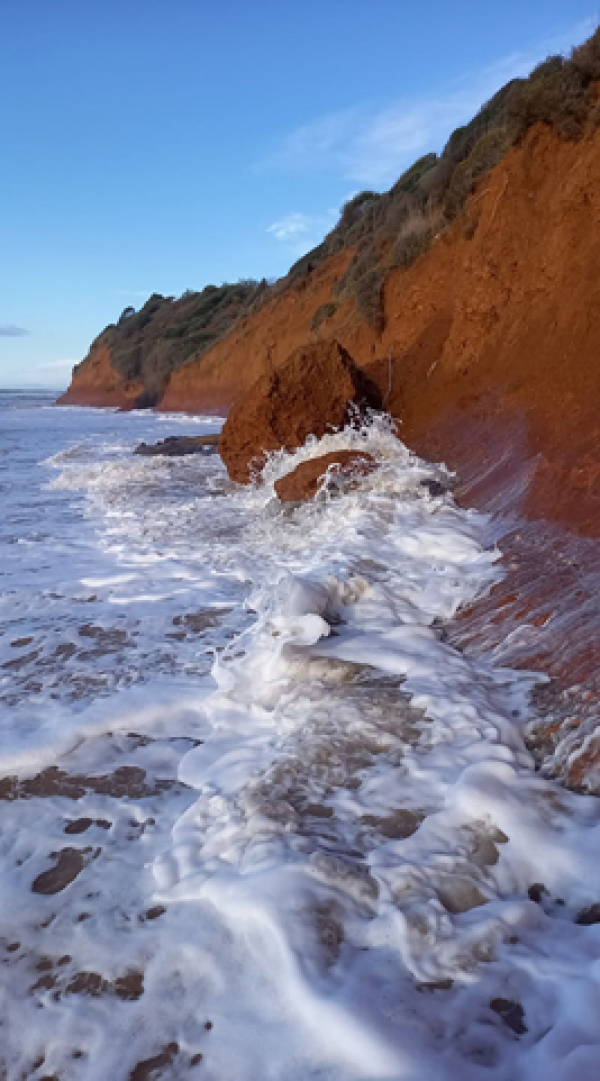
{"type": "Point", "coordinates": [357, 871]}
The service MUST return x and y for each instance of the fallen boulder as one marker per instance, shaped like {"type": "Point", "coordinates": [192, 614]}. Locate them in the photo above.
{"type": "Point", "coordinates": [177, 445]}
{"type": "Point", "coordinates": [304, 481]}
{"type": "Point", "coordinates": [317, 389]}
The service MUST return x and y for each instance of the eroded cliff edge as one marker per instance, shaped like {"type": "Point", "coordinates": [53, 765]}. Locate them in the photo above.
{"type": "Point", "coordinates": [491, 338]}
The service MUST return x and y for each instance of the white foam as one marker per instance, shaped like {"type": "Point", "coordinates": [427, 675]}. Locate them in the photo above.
{"type": "Point", "coordinates": [346, 875]}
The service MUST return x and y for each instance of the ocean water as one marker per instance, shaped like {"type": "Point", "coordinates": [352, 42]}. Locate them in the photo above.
{"type": "Point", "coordinates": [259, 820]}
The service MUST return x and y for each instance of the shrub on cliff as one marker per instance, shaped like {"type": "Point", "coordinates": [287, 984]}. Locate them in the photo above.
{"type": "Point", "coordinates": [307, 262]}
{"type": "Point", "coordinates": [354, 209]}
{"type": "Point", "coordinates": [558, 92]}
{"type": "Point", "coordinates": [323, 312]}
{"type": "Point", "coordinates": [410, 181]}
{"type": "Point", "coordinates": [368, 294]}
{"type": "Point", "coordinates": [489, 149]}
{"type": "Point", "coordinates": [374, 237]}
{"type": "Point", "coordinates": [586, 58]}
{"type": "Point", "coordinates": [555, 93]}
{"type": "Point", "coordinates": [414, 239]}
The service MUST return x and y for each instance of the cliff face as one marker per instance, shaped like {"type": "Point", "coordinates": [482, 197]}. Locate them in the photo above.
{"type": "Point", "coordinates": [468, 292]}
{"type": "Point", "coordinates": [495, 326]}
{"type": "Point", "coordinates": [498, 323]}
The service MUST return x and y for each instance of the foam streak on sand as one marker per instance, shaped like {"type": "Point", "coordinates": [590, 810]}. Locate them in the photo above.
{"type": "Point", "coordinates": [356, 870]}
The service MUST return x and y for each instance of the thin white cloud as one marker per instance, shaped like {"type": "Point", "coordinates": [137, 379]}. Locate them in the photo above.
{"type": "Point", "coordinates": [372, 147]}
{"type": "Point", "coordinates": [10, 331]}
{"type": "Point", "coordinates": [317, 145]}
{"type": "Point", "coordinates": [300, 232]}
{"type": "Point", "coordinates": [292, 226]}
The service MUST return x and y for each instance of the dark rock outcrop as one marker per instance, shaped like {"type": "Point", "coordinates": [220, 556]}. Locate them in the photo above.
{"type": "Point", "coordinates": [304, 481]}
{"type": "Point", "coordinates": [318, 388]}
{"type": "Point", "coordinates": [175, 446]}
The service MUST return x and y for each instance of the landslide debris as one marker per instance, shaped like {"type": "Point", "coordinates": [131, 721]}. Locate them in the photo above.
{"type": "Point", "coordinates": [318, 389]}
{"type": "Point", "coordinates": [304, 481]}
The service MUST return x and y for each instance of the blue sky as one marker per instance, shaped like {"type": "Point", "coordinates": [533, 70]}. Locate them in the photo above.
{"type": "Point", "coordinates": [158, 145]}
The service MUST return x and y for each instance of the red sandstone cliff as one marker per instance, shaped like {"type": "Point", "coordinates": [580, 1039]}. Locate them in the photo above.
{"type": "Point", "coordinates": [495, 327]}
